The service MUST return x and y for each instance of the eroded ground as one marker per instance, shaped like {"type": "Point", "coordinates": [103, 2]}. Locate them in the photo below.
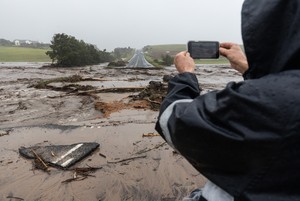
{"type": "Point", "coordinates": [112, 107]}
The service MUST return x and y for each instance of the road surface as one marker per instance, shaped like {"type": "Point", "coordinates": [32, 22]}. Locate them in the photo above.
{"type": "Point", "coordinates": [138, 60]}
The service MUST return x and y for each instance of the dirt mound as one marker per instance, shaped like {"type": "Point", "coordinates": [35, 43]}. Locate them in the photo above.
{"type": "Point", "coordinates": [150, 98]}
{"type": "Point", "coordinates": [115, 106]}
{"type": "Point", "coordinates": [155, 92]}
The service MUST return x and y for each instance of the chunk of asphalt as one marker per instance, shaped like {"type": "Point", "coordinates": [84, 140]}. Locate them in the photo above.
{"type": "Point", "coordinates": [63, 156]}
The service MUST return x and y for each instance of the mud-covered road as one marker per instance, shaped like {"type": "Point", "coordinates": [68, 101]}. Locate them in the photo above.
{"type": "Point", "coordinates": [43, 106]}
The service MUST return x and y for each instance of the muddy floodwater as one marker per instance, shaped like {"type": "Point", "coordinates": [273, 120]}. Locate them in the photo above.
{"type": "Point", "coordinates": [134, 163]}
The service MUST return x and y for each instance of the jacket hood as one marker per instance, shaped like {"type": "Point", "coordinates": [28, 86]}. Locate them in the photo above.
{"type": "Point", "coordinates": [271, 36]}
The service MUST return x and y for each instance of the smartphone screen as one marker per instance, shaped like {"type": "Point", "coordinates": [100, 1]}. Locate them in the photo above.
{"type": "Point", "coordinates": [203, 49]}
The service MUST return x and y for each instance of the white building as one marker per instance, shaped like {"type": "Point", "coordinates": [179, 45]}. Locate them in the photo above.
{"type": "Point", "coordinates": [17, 43]}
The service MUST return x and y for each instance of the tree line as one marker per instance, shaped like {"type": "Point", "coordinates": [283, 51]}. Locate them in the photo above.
{"type": "Point", "coordinates": [66, 51]}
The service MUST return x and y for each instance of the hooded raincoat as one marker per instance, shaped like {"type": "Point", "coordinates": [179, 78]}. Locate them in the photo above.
{"type": "Point", "coordinates": [246, 138]}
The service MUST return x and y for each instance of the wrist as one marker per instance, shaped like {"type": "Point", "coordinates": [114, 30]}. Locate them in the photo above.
{"type": "Point", "coordinates": [244, 67]}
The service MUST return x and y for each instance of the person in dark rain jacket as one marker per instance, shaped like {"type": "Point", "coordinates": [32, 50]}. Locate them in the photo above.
{"type": "Point", "coordinates": [245, 139]}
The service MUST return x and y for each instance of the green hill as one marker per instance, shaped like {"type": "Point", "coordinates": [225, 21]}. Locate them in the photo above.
{"type": "Point", "coordinates": [22, 54]}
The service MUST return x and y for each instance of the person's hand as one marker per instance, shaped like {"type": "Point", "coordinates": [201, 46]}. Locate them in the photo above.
{"type": "Point", "coordinates": [184, 62]}
{"type": "Point", "coordinates": [235, 55]}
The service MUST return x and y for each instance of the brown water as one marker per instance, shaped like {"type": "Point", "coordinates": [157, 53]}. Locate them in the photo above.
{"type": "Point", "coordinates": [29, 116]}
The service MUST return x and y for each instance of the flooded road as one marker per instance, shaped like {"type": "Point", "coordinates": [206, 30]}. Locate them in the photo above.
{"type": "Point", "coordinates": [139, 60]}
{"type": "Point", "coordinates": [133, 167]}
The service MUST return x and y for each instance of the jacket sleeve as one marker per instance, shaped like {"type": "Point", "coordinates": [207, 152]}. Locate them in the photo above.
{"type": "Point", "coordinates": [210, 132]}
{"type": "Point", "coordinates": [182, 88]}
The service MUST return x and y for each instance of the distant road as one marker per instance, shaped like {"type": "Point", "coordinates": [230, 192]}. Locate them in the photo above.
{"type": "Point", "coordinates": [138, 60]}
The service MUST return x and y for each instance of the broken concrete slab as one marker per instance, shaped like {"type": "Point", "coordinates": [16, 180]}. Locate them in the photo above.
{"type": "Point", "coordinates": [63, 156]}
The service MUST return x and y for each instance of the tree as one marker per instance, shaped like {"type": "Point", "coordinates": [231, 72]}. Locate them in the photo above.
{"type": "Point", "coordinates": [105, 56]}
{"type": "Point", "coordinates": [124, 52]}
{"type": "Point", "coordinates": [167, 60]}
{"type": "Point", "coordinates": [4, 42]}
{"type": "Point", "coordinates": [68, 51]}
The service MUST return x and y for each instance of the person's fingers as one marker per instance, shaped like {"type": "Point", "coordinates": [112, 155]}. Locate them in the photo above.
{"type": "Point", "coordinates": [183, 53]}
{"type": "Point", "coordinates": [223, 51]}
{"type": "Point", "coordinates": [227, 45]}
{"type": "Point", "coordinates": [180, 54]}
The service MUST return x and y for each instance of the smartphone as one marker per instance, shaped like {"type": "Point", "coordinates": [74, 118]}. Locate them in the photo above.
{"type": "Point", "coordinates": [204, 49]}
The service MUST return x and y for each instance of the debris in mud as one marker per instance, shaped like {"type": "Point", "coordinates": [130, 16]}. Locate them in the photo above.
{"type": "Point", "coordinates": [150, 134]}
{"type": "Point", "coordinates": [150, 149]}
{"type": "Point", "coordinates": [80, 174]}
{"type": "Point", "coordinates": [127, 159]}
{"type": "Point", "coordinates": [75, 178]}
{"type": "Point", "coordinates": [4, 132]}
{"type": "Point", "coordinates": [44, 83]}
{"type": "Point", "coordinates": [48, 84]}
{"type": "Point", "coordinates": [13, 197]}
{"type": "Point", "coordinates": [75, 87]}
{"type": "Point", "coordinates": [102, 155]}
{"type": "Point", "coordinates": [113, 90]}
{"type": "Point", "coordinates": [117, 63]}
{"type": "Point", "coordinates": [149, 98]}
{"type": "Point", "coordinates": [154, 93]}
{"type": "Point", "coordinates": [115, 106]}
{"type": "Point", "coordinates": [39, 162]}
{"type": "Point", "coordinates": [62, 156]}
{"type": "Point", "coordinates": [21, 106]}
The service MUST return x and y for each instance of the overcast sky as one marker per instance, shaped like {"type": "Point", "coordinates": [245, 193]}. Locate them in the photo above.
{"type": "Point", "coordinates": [122, 23]}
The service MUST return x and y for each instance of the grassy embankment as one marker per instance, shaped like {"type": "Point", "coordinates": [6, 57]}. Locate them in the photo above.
{"type": "Point", "coordinates": [21, 54]}
{"type": "Point", "coordinates": [156, 51]}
